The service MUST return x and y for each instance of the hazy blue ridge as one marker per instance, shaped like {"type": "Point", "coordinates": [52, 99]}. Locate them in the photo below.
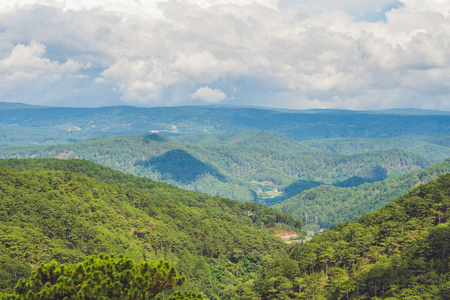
{"type": "Point", "coordinates": [62, 124]}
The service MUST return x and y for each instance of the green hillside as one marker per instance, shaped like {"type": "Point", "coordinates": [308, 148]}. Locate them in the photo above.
{"type": "Point", "coordinates": [69, 209]}
{"type": "Point", "coordinates": [332, 205]}
{"type": "Point", "coordinates": [103, 276]}
{"type": "Point", "coordinates": [252, 138]}
{"type": "Point", "coordinates": [246, 173]}
{"type": "Point", "coordinates": [401, 251]}
{"type": "Point", "coordinates": [436, 147]}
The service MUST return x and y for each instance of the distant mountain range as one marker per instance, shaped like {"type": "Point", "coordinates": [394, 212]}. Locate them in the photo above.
{"type": "Point", "coordinates": [25, 125]}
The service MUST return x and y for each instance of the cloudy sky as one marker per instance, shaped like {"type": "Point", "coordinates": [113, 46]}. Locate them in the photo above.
{"type": "Point", "coordinates": [350, 54]}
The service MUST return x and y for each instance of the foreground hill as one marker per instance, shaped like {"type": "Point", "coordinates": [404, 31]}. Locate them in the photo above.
{"type": "Point", "coordinates": [27, 125]}
{"type": "Point", "coordinates": [401, 251]}
{"type": "Point", "coordinates": [67, 210]}
{"type": "Point", "coordinates": [243, 172]}
{"type": "Point", "coordinates": [332, 205]}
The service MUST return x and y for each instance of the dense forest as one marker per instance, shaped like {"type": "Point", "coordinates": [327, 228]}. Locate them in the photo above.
{"type": "Point", "coordinates": [69, 209]}
{"type": "Point", "coordinates": [242, 172]}
{"type": "Point", "coordinates": [401, 251]}
{"type": "Point", "coordinates": [436, 147]}
{"type": "Point", "coordinates": [63, 210]}
{"type": "Point", "coordinates": [332, 205]}
{"type": "Point", "coordinates": [252, 138]}
{"type": "Point", "coordinates": [88, 209]}
{"type": "Point", "coordinates": [102, 277]}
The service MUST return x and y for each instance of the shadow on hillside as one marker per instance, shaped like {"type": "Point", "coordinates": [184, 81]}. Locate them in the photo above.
{"type": "Point", "coordinates": [378, 173]}
{"type": "Point", "coordinates": [148, 138]}
{"type": "Point", "coordinates": [181, 166]}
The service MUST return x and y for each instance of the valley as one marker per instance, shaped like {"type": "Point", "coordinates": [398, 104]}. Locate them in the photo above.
{"type": "Point", "coordinates": [69, 209]}
{"type": "Point", "coordinates": [229, 200]}
{"type": "Point", "coordinates": [224, 150]}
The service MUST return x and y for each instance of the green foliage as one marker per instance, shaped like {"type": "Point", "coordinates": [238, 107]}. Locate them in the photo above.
{"type": "Point", "coordinates": [401, 251]}
{"type": "Point", "coordinates": [101, 277]}
{"type": "Point", "coordinates": [292, 190]}
{"type": "Point", "coordinates": [249, 138]}
{"type": "Point", "coordinates": [436, 147]}
{"type": "Point", "coordinates": [333, 205]}
{"type": "Point", "coordinates": [162, 194]}
{"type": "Point", "coordinates": [246, 173]}
{"type": "Point", "coordinates": [48, 210]}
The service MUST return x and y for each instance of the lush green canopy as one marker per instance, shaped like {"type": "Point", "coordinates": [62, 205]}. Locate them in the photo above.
{"type": "Point", "coordinates": [401, 251]}
{"type": "Point", "coordinates": [332, 205]}
{"type": "Point", "coordinates": [65, 215]}
{"type": "Point", "coordinates": [101, 277]}
{"type": "Point", "coordinates": [243, 172]}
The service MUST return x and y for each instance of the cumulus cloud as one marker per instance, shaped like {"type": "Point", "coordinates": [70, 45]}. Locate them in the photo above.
{"type": "Point", "coordinates": [30, 59]}
{"type": "Point", "coordinates": [287, 53]}
{"type": "Point", "coordinates": [26, 70]}
{"type": "Point", "coordinates": [209, 95]}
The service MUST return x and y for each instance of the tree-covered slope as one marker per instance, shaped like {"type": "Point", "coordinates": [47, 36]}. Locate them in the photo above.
{"type": "Point", "coordinates": [401, 251]}
{"type": "Point", "coordinates": [157, 192]}
{"type": "Point", "coordinates": [436, 147]}
{"type": "Point", "coordinates": [248, 173]}
{"type": "Point", "coordinates": [63, 210]}
{"type": "Point", "coordinates": [252, 138]}
{"type": "Point", "coordinates": [332, 205]}
{"type": "Point", "coordinates": [102, 277]}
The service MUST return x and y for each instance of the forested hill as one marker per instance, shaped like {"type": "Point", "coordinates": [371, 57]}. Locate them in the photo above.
{"type": "Point", "coordinates": [43, 125]}
{"type": "Point", "coordinates": [243, 172]}
{"type": "Point", "coordinates": [67, 210]}
{"type": "Point", "coordinates": [433, 147]}
{"type": "Point", "coordinates": [436, 148]}
{"type": "Point", "coordinates": [332, 205]}
{"type": "Point", "coordinates": [251, 138]}
{"type": "Point", "coordinates": [401, 251]}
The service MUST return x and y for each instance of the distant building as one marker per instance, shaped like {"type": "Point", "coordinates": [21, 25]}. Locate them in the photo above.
{"type": "Point", "coordinates": [310, 232]}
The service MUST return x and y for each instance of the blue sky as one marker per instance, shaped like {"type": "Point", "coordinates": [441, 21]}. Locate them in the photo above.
{"type": "Point", "coordinates": [347, 54]}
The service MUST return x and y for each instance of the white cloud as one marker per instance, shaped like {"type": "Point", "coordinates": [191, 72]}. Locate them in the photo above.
{"type": "Point", "coordinates": [27, 75]}
{"type": "Point", "coordinates": [27, 63]}
{"type": "Point", "coordinates": [284, 53]}
{"type": "Point", "coordinates": [209, 95]}
{"type": "Point", "coordinates": [204, 66]}
{"type": "Point", "coordinates": [30, 59]}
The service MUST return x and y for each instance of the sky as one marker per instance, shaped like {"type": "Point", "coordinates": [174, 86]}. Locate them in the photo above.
{"type": "Point", "coordinates": [299, 54]}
